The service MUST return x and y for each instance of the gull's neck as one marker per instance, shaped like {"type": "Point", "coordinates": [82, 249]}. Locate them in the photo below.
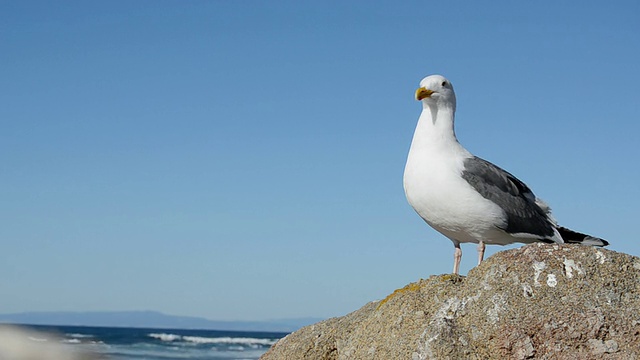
{"type": "Point", "coordinates": [435, 128]}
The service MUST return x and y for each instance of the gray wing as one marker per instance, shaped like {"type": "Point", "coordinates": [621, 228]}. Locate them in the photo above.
{"type": "Point", "coordinates": [512, 195]}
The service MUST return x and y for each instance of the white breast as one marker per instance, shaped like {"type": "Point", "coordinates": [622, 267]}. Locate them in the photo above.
{"type": "Point", "coordinates": [436, 190]}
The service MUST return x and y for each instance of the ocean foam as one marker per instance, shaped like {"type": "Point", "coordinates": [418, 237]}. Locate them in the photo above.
{"type": "Point", "coordinates": [228, 340]}
{"type": "Point", "coordinates": [165, 337]}
{"type": "Point", "coordinates": [213, 340]}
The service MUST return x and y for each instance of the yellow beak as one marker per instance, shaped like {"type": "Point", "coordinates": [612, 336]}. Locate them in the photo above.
{"type": "Point", "coordinates": [422, 93]}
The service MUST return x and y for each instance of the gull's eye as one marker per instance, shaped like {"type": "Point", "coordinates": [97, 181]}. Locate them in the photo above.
{"type": "Point", "coordinates": [444, 83]}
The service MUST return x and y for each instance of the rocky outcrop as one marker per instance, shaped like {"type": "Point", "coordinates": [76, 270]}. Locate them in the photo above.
{"type": "Point", "coordinates": [536, 302]}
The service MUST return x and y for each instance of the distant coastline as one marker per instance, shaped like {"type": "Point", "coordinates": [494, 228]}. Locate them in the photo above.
{"type": "Point", "coordinates": [150, 319]}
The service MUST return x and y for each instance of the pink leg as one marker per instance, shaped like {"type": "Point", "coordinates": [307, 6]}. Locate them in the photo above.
{"type": "Point", "coordinates": [457, 255]}
{"type": "Point", "coordinates": [480, 252]}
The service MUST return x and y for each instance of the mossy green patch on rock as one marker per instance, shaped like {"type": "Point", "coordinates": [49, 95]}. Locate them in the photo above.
{"type": "Point", "coordinates": [411, 287]}
{"type": "Point", "coordinates": [454, 278]}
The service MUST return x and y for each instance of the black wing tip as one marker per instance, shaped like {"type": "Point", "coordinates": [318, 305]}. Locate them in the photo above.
{"type": "Point", "coordinates": [573, 237]}
{"type": "Point", "coordinates": [603, 241]}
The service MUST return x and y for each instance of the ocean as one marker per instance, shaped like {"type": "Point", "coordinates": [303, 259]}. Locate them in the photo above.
{"type": "Point", "coordinates": [160, 344]}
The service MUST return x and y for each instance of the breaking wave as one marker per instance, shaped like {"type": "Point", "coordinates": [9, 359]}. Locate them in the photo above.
{"type": "Point", "coordinates": [212, 340]}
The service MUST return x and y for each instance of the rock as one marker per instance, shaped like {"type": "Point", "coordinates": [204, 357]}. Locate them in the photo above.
{"type": "Point", "coordinates": [18, 343]}
{"type": "Point", "coordinates": [599, 347]}
{"type": "Point", "coordinates": [536, 302]}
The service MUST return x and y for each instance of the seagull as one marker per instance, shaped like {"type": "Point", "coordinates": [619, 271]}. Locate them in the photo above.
{"type": "Point", "coordinates": [466, 198]}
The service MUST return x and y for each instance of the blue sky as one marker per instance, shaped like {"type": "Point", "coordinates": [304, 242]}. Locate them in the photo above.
{"type": "Point", "coordinates": [242, 160]}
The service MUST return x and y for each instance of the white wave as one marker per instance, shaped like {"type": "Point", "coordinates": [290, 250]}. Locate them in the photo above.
{"type": "Point", "coordinates": [252, 342]}
{"type": "Point", "coordinates": [79, 336]}
{"type": "Point", "coordinates": [165, 337]}
{"type": "Point", "coordinates": [228, 340]}
{"type": "Point", "coordinates": [71, 341]}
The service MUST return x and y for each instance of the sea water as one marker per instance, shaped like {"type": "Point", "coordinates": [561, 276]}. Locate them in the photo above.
{"type": "Point", "coordinates": [162, 344]}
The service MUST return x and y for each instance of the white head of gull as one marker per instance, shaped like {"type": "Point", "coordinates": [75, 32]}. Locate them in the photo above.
{"type": "Point", "coordinates": [466, 198]}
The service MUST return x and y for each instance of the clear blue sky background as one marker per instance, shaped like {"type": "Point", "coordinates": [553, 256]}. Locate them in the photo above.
{"type": "Point", "coordinates": [242, 160]}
